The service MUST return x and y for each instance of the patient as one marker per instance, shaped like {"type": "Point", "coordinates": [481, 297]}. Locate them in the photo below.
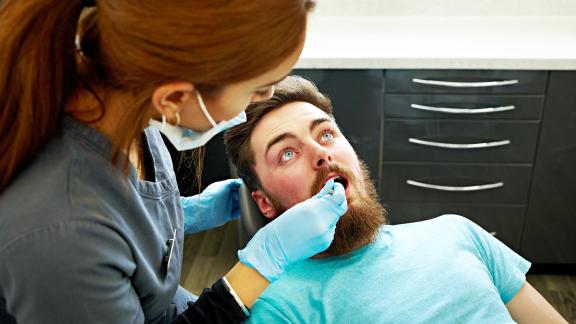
{"type": "Point", "coordinates": [443, 270]}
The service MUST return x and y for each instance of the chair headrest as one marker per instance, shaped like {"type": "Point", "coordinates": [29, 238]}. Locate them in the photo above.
{"type": "Point", "coordinates": [251, 219]}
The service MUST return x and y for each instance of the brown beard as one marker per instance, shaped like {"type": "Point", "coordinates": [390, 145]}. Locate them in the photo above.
{"type": "Point", "coordinates": [359, 225]}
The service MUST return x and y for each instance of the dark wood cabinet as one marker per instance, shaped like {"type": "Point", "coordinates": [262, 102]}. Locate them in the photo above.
{"type": "Point", "coordinates": [461, 142]}
{"type": "Point", "coordinates": [356, 97]}
{"type": "Point", "coordinates": [550, 230]}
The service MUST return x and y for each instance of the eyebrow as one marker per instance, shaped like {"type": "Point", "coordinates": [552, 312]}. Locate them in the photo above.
{"type": "Point", "coordinates": [283, 136]}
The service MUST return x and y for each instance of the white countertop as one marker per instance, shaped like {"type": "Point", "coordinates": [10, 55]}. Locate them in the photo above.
{"type": "Point", "coordinates": [524, 43]}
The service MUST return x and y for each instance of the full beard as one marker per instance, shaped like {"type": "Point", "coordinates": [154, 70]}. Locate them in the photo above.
{"type": "Point", "coordinates": [359, 225]}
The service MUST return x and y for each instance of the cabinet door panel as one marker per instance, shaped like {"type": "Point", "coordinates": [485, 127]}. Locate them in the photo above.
{"type": "Point", "coordinates": [466, 141]}
{"type": "Point", "coordinates": [550, 232]}
{"type": "Point", "coordinates": [463, 107]}
{"type": "Point", "coordinates": [503, 221]}
{"type": "Point", "coordinates": [465, 81]}
{"type": "Point", "coordinates": [447, 182]}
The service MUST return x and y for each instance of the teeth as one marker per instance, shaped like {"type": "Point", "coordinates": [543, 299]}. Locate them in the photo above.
{"type": "Point", "coordinates": [339, 179]}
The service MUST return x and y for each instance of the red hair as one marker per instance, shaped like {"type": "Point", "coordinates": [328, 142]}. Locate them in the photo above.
{"type": "Point", "coordinates": [131, 47]}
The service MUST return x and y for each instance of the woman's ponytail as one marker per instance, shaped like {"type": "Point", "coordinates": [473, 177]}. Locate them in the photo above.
{"type": "Point", "coordinates": [37, 76]}
{"type": "Point", "coordinates": [128, 47]}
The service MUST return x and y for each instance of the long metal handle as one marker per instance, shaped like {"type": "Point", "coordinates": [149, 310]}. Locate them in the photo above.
{"type": "Point", "coordinates": [450, 110]}
{"type": "Point", "coordinates": [459, 146]}
{"type": "Point", "coordinates": [453, 188]}
{"type": "Point", "coordinates": [456, 84]}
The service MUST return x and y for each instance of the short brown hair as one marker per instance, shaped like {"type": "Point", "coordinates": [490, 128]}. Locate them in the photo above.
{"type": "Point", "coordinates": [237, 139]}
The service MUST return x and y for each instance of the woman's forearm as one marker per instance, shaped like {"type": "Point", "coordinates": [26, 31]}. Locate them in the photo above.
{"type": "Point", "coordinates": [247, 282]}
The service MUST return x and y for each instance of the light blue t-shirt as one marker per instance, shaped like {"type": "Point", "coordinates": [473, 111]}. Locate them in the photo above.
{"type": "Point", "coordinates": [443, 270]}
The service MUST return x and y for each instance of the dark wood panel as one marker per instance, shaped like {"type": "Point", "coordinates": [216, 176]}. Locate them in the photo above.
{"type": "Point", "coordinates": [208, 256]}
{"type": "Point", "coordinates": [503, 221]}
{"type": "Point", "coordinates": [516, 180]}
{"type": "Point", "coordinates": [401, 81]}
{"type": "Point", "coordinates": [550, 232]}
{"type": "Point", "coordinates": [398, 134]}
{"type": "Point", "coordinates": [524, 107]}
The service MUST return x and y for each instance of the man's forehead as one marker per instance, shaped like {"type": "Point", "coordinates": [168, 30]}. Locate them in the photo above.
{"type": "Point", "coordinates": [294, 110]}
{"type": "Point", "coordinates": [286, 119]}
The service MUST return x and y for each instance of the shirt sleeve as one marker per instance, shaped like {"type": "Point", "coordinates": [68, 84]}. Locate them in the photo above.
{"type": "Point", "coordinates": [265, 312]}
{"type": "Point", "coordinates": [215, 305]}
{"type": "Point", "coordinates": [507, 268]}
{"type": "Point", "coordinates": [59, 275]}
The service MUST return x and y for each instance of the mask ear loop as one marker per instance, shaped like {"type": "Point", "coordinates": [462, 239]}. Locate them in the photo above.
{"type": "Point", "coordinates": [163, 121]}
{"type": "Point", "coordinates": [204, 110]}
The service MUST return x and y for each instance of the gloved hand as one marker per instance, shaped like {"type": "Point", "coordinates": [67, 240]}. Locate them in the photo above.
{"type": "Point", "coordinates": [213, 207]}
{"type": "Point", "coordinates": [302, 231]}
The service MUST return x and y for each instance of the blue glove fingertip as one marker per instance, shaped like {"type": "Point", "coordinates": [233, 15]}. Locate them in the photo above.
{"type": "Point", "coordinates": [236, 182]}
{"type": "Point", "coordinates": [328, 189]}
{"type": "Point", "coordinates": [339, 189]}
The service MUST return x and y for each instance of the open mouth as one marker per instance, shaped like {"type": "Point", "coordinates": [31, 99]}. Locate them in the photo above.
{"type": "Point", "coordinates": [340, 179]}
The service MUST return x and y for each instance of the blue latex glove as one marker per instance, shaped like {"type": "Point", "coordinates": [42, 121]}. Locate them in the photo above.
{"type": "Point", "coordinates": [302, 231]}
{"type": "Point", "coordinates": [213, 207]}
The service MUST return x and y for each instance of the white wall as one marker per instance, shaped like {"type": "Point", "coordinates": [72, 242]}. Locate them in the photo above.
{"type": "Point", "coordinates": [484, 8]}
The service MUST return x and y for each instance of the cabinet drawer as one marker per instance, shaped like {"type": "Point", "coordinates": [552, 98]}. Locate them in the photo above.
{"type": "Point", "coordinates": [450, 140]}
{"type": "Point", "coordinates": [450, 182]}
{"type": "Point", "coordinates": [503, 221]}
{"type": "Point", "coordinates": [465, 81]}
{"type": "Point", "coordinates": [463, 106]}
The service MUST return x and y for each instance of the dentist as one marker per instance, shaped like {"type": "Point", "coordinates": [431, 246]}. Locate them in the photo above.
{"type": "Point", "coordinates": [91, 220]}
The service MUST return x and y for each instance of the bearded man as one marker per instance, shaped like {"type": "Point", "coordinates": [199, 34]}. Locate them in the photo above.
{"type": "Point", "coordinates": [443, 270]}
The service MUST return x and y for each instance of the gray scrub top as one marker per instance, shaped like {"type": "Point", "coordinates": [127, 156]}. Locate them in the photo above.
{"type": "Point", "coordinates": [81, 244]}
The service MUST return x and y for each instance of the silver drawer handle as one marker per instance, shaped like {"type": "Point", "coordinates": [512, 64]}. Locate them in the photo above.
{"type": "Point", "coordinates": [459, 146]}
{"type": "Point", "coordinates": [451, 188]}
{"type": "Point", "coordinates": [463, 110]}
{"type": "Point", "coordinates": [455, 84]}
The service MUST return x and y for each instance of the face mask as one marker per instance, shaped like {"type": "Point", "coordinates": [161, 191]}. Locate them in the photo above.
{"type": "Point", "coordinates": [186, 139]}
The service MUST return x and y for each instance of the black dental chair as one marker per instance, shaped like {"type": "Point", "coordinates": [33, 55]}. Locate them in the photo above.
{"type": "Point", "coordinates": [251, 219]}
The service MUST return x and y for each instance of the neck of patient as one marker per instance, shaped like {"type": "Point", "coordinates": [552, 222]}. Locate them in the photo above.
{"type": "Point", "coordinates": [355, 246]}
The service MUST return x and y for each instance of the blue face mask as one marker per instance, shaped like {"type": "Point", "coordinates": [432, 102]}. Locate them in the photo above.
{"type": "Point", "coordinates": [185, 139]}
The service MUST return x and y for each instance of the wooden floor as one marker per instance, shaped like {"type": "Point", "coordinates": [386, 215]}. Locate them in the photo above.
{"type": "Point", "coordinates": [209, 255]}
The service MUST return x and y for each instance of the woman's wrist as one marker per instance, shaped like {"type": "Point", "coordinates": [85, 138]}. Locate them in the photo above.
{"type": "Point", "coordinates": [234, 295]}
{"type": "Point", "coordinates": [247, 283]}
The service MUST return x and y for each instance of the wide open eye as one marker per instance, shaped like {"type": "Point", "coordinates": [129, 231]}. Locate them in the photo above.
{"type": "Point", "coordinates": [287, 155]}
{"type": "Point", "coordinates": [326, 136]}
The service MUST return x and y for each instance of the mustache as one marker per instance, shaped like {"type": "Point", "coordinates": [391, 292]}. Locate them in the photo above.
{"type": "Point", "coordinates": [332, 168]}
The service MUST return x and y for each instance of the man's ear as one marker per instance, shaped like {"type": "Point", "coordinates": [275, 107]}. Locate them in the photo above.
{"type": "Point", "coordinates": [264, 204]}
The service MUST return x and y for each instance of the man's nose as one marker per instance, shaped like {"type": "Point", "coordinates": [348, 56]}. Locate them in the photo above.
{"type": "Point", "coordinates": [322, 157]}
